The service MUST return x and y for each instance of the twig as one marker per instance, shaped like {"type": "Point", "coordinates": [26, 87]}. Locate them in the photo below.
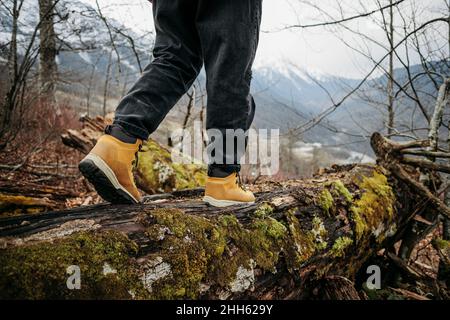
{"type": "Point", "coordinates": [426, 164]}
{"type": "Point", "coordinates": [363, 15]}
{"type": "Point", "coordinates": [434, 154]}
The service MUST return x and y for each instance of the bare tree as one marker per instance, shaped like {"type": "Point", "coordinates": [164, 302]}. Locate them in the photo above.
{"type": "Point", "coordinates": [19, 71]}
{"type": "Point", "coordinates": [13, 69]}
{"type": "Point", "coordinates": [47, 56]}
{"type": "Point", "coordinates": [106, 85]}
{"type": "Point", "coordinates": [191, 103]}
{"type": "Point", "coordinates": [390, 33]}
{"type": "Point", "coordinates": [12, 54]}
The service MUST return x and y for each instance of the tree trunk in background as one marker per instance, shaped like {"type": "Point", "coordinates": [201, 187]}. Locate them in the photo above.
{"type": "Point", "coordinates": [189, 107]}
{"type": "Point", "coordinates": [12, 55]}
{"type": "Point", "coordinates": [89, 89]}
{"type": "Point", "coordinates": [106, 86]}
{"type": "Point", "coordinates": [390, 89]}
{"type": "Point", "coordinates": [47, 59]}
{"type": "Point", "coordinates": [8, 103]}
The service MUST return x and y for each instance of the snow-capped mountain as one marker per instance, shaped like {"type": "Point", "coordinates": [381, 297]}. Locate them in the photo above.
{"type": "Point", "coordinates": [303, 90]}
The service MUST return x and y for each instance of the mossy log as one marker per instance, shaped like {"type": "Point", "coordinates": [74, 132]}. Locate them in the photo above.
{"type": "Point", "coordinates": [299, 239]}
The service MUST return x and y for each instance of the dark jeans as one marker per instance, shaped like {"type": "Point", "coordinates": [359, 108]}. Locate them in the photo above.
{"type": "Point", "coordinates": [222, 34]}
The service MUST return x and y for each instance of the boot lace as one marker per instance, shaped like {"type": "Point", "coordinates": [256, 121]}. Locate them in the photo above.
{"type": "Point", "coordinates": [135, 162]}
{"type": "Point", "coordinates": [239, 181]}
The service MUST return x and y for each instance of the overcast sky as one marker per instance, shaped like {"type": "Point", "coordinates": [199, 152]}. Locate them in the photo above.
{"type": "Point", "coordinates": [317, 50]}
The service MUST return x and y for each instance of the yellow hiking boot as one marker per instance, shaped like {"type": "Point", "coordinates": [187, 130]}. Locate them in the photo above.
{"type": "Point", "coordinates": [224, 192]}
{"type": "Point", "coordinates": [109, 168]}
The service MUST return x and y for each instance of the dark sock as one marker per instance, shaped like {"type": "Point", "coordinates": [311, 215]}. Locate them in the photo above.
{"type": "Point", "coordinates": [222, 170]}
{"type": "Point", "coordinates": [120, 134]}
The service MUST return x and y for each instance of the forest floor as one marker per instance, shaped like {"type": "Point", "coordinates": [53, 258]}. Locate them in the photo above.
{"type": "Point", "coordinates": [37, 163]}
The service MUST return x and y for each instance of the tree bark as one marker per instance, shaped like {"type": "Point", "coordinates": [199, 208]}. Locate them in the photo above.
{"type": "Point", "coordinates": [8, 105]}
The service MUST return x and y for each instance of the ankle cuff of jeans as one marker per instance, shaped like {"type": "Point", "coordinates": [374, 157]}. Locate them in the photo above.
{"type": "Point", "coordinates": [119, 133]}
{"type": "Point", "coordinates": [222, 170]}
{"type": "Point", "coordinates": [132, 130]}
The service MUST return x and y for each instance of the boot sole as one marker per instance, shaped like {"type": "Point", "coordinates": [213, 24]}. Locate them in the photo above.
{"type": "Point", "coordinates": [105, 182]}
{"type": "Point", "coordinates": [223, 203]}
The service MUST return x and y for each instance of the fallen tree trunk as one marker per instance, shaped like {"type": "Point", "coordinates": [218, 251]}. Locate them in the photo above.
{"type": "Point", "coordinates": [300, 239]}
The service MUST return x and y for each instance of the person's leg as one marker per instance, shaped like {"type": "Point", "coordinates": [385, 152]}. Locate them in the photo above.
{"type": "Point", "coordinates": [177, 62]}
{"type": "Point", "coordinates": [223, 170]}
{"type": "Point", "coordinates": [229, 34]}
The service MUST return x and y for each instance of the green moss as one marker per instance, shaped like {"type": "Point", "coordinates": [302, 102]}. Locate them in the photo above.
{"type": "Point", "coordinates": [339, 246]}
{"type": "Point", "coordinates": [189, 176]}
{"type": "Point", "coordinates": [186, 245]}
{"type": "Point", "coordinates": [263, 211]}
{"type": "Point", "coordinates": [271, 228]}
{"type": "Point", "coordinates": [360, 225]}
{"type": "Point", "coordinates": [157, 173]}
{"type": "Point", "coordinates": [202, 251]}
{"type": "Point", "coordinates": [441, 243]}
{"type": "Point", "coordinates": [38, 271]}
{"type": "Point", "coordinates": [229, 220]}
{"type": "Point", "coordinates": [339, 189]}
{"type": "Point", "coordinates": [300, 246]}
{"type": "Point", "coordinates": [375, 208]}
{"type": "Point", "coordinates": [326, 201]}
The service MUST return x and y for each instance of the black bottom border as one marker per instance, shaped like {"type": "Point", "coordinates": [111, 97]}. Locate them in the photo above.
{"type": "Point", "coordinates": [224, 309]}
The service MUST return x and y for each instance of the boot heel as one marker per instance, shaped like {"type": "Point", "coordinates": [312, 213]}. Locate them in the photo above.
{"type": "Point", "coordinates": [97, 172]}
